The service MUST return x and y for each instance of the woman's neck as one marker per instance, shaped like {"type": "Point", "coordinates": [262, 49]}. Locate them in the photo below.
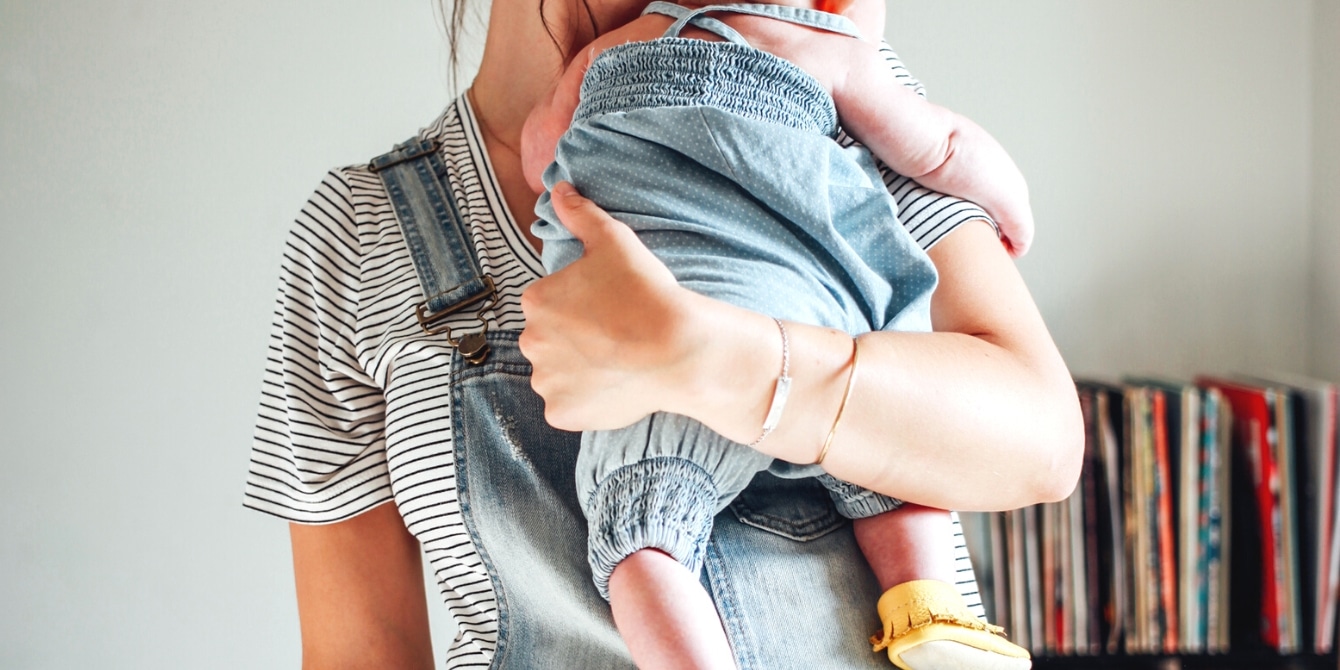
{"type": "Point", "coordinates": [504, 158]}
{"type": "Point", "coordinates": [520, 64]}
{"type": "Point", "coordinates": [522, 59]}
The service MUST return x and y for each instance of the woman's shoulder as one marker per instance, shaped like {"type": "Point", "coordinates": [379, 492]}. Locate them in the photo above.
{"type": "Point", "coordinates": [350, 203]}
{"type": "Point", "coordinates": [349, 227]}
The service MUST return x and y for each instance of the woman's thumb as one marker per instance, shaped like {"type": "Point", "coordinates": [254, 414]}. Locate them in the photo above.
{"type": "Point", "coordinates": [586, 221]}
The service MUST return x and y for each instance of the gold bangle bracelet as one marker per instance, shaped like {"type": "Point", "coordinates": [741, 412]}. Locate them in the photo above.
{"type": "Point", "coordinates": [846, 393]}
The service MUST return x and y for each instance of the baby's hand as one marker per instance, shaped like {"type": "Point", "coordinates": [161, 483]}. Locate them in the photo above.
{"type": "Point", "coordinates": [1016, 228]}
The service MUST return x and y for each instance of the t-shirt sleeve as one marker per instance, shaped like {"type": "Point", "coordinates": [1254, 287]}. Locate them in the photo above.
{"type": "Point", "coordinates": [318, 453]}
{"type": "Point", "coordinates": [928, 215]}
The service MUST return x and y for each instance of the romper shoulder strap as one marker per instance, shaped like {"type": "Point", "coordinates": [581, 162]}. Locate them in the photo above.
{"type": "Point", "coordinates": [684, 16]}
{"type": "Point", "coordinates": [439, 242]}
{"type": "Point", "coordinates": [811, 18]}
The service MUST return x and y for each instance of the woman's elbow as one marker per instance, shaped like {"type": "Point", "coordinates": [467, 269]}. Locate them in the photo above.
{"type": "Point", "coordinates": [1061, 448]}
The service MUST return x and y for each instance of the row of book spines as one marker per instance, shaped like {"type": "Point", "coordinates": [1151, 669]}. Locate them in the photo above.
{"type": "Point", "coordinates": [1274, 485]}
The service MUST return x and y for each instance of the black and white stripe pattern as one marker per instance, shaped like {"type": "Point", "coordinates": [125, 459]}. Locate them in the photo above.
{"type": "Point", "coordinates": [355, 407]}
{"type": "Point", "coordinates": [928, 215]}
{"type": "Point", "coordinates": [355, 410]}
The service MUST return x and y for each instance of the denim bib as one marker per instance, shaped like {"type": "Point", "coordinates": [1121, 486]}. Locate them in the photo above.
{"type": "Point", "coordinates": [782, 566]}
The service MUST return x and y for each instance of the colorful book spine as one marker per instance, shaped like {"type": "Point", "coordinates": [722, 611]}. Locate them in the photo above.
{"type": "Point", "coordinates": [1167, 558]}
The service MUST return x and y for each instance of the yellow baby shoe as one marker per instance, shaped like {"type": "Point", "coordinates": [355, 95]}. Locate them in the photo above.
{"type": "Point", "coordinates": [928, 626]}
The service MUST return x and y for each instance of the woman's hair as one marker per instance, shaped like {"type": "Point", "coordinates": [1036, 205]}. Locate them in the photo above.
{"type": "Point", "coordinates": [590, 18]}
{"type": "Point", "coordinates": [452, 14]}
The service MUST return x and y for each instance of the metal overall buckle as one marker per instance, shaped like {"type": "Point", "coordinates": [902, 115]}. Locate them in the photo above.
{"type": "Point", "coordinates": [474, 347]}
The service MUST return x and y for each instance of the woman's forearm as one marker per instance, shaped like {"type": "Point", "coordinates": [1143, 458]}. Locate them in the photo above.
{"type": "Point", "coordinates": [982, 415]}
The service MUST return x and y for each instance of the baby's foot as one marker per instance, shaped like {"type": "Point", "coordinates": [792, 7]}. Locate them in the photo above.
{"type": "Point", "coordinates": [927, 626]}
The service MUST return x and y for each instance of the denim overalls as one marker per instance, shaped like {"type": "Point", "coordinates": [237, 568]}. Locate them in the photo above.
{"type": "Point", "coordinates": [722, 158]}
{"type": "Point", "coordinates": [782, 566]}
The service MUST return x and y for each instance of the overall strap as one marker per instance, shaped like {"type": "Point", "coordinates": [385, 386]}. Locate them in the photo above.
{"type": "Point", "coordinates": [811, 18]}
{"type": "Point", "coordinates": [439, 242]}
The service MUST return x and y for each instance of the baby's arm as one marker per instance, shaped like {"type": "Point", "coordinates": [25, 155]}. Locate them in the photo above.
{"type": "Point", "coordinates": [940, 149]}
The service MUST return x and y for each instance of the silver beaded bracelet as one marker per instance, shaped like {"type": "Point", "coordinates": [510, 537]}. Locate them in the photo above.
{"type": "Point", "coordinates": [779, 392]}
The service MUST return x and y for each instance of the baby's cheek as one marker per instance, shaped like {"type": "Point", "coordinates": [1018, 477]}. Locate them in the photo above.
{"type": "Point", "coordinates": [539, 138]}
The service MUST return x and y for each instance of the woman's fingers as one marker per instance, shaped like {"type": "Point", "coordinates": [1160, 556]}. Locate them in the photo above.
{"type": "Point", "coordinates": [600, 333]}
{"type": "Point", "coordinates": [584, 219]}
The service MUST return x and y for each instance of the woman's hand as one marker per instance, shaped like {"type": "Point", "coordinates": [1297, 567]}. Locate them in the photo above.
{"type": "Point", "coordinates": [605, 334]}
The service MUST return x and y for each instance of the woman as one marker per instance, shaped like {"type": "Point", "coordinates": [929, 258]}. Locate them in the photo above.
{"type": "Point", "coordinates": [358, 411]}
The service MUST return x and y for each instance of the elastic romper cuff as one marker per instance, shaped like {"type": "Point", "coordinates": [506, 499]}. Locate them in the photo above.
{"type": "Point", "coordinates": [663, 503]}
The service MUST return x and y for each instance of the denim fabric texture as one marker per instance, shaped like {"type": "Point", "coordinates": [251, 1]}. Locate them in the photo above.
{"type": "Point", "coordinates": [514, 480]}
{"type": "Point", "coordinates": [721, 158]}
{"type": "Point", "coordinates": [414, 176]}
{"type": "Point", "coordinates": [782, 566]}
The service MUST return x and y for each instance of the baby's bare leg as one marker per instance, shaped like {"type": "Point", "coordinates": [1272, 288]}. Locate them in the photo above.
{"type": "Point", "coordinates": [665, 617]}
{"type": "Point", "coordinates": [906, 544]}
{"type": "Point", "coordinates": [927, 625]}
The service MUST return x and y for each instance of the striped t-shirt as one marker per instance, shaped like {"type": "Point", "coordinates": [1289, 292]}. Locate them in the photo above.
{"type": "Point", "coordinates": [355, 407]}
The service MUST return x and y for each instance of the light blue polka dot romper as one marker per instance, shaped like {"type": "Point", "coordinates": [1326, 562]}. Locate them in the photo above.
{"type": "Point", "coordinates": [722, 158]}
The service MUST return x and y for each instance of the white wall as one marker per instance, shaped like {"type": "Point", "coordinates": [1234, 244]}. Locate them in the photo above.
{"type": "Point", "coordinates": [1166, 145]}
{"type": "Point", "coordinates": [152, 154]}
{"type": "Point", "coordinates": [1325, 334]}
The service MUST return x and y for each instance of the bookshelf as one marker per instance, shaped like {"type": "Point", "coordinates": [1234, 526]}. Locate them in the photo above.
{"type": "Point", "coordinates": [1157, 261]}
{"type": "Point", "coordinates": [1245, 660]}
{"type": "Point", "coordinates": [1204, 532]}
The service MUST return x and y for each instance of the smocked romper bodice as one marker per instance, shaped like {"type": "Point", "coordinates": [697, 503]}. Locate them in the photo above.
{"type": "Point", "coordinates": [732, 75]}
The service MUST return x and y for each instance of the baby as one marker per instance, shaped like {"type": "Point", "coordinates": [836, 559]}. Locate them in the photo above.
{"type": "Point", "coordinates": [713, 138]}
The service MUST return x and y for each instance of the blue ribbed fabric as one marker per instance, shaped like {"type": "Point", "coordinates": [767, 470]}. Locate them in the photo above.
{"type": "Point", "coordinates": [659, 503]}
{"type": "Point", "coordinates": [681, 72]}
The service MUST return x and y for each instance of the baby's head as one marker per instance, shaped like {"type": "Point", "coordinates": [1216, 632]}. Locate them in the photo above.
{"type": "Point", "coordinates": [832, 6]}
{"type": "Point", "coordinates": [868, 15]}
